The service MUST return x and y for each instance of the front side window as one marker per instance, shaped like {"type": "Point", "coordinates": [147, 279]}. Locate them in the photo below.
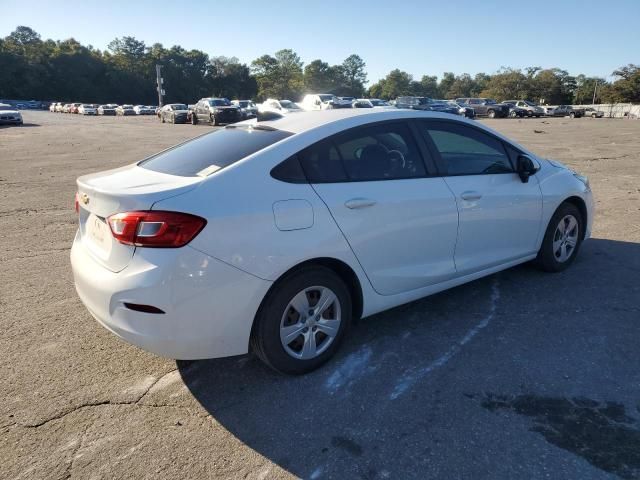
{"type": "Point", "coordinates": [378, 152]}
{"type": "Point", "coordinates": [467, 151]}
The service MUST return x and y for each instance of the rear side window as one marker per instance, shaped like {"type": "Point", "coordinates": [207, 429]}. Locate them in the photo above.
{"type": "Point", "coordinates": [467, 151]}
{"type": "Point", "coordinates": [384, 151]}
{"type": "Point", "coordinates": [208, 153]}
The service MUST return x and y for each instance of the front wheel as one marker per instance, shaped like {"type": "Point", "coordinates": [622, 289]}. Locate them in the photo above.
{"type": "Point", "coordinates": [162, 118]}
{"type": "Point", "coordinates": [214, 122]}
{"type": "Point", "coordinates": [302, 321]}
{"type": "Point", "coordinates": [194, 119]}
{"type": "Point", "coordinates": [562, 239]}
{"type": "Point", "coordinates": [491, 114]}
{"type": "Point", "coordinates": [572, 115]}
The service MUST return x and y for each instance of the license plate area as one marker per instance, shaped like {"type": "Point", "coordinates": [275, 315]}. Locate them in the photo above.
{"type": "Point", "coordinates": [98, 235]}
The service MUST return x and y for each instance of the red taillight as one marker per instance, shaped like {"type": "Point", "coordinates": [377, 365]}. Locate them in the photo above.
{"type": "Point", "coordinates": [77, 203]}
{"type": "Point", "coordinates": [155, 228]}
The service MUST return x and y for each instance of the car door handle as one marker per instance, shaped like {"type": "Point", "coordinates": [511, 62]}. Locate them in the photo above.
{"type": "Point", "coordinates": [357, 203]}
{"type": "Point", "coordinates": [470, 195]}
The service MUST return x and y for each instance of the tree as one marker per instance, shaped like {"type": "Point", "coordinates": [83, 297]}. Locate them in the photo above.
{"type": "Point", "coordinates": [319, 77]}
{"type": "Point", "coordinates": [626, 88]}
{"type": "Point", "coordinates": [395, 84]}
{"type": "Point", "coordinates": [354, 75]}
{"type": "Point", "coordinates": [279, 76]}
{"type": "Point", "coordinates": [507, 84]}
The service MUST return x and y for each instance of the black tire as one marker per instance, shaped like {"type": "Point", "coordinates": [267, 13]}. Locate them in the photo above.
{"type": "Point", "coordinates": [546, 259]}
{"type": "Point", "coordinates": [572, 115]}
{"type": "Point", "coordinates": [529, 113]}
{"type": "Point", "coordinates": [162, 118]}
{"type": "Point", "coordinates": [491, 114]}
{"type": "Point", "coordinates": [194, 119]}
{"type": "Point", "coordinates": [265, 335]}
{"type": "Point", "coordinates": [173, 119]}
{"type": "Point", "coordinates": [213, 120]}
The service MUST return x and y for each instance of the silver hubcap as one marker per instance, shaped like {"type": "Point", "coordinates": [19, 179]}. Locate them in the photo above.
{"type": "Point", "coordinates": [310, 322]}
{"type": "Point", "coordinates": [565, 238]}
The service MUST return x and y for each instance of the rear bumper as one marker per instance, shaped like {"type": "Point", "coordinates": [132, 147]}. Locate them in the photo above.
{"type": "Point", "coordinates": [209, 306]}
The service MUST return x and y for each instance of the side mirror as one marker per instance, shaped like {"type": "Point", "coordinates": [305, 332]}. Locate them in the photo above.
{"type": "Point", "coordinates": [525, 168]}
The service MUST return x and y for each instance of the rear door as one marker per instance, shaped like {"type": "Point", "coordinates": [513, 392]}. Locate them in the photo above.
{"type": "Point", "coordinates": [400, 222]}
{"type": "Point", "coordinates": [500, 217]}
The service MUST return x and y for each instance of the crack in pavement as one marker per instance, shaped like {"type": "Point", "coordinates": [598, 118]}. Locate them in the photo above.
{"type": "Point", "coordinates": [135, 402]}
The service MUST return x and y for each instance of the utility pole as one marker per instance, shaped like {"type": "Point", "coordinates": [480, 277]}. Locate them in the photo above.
{"type": "Point", "coordinates": [595, 88]}
{"type": "Point", "coordinates": [159, 82]}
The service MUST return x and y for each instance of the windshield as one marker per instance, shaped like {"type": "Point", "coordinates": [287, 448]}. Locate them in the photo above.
{"type": "Point", "coordinates": [179, 106]}
{"type": "Point", "coordinates": [424, 100]}
{"type": "Point", "coordinates": [378, 103]}
{"type": "Point", "coordinates": [244, 103]}
{"type": "Point", "coordinates": [6, 107]}
{"type": "Point", "coordinates": [219, 102]}
{"type": "Point", "coordinates": [531, 104]}
{"type": "Point", "coordinates": [327, 98]}
{"type": "Point", "coordinates": [490, 101]}
{"type": "Point", "coordinates": [289, 104]}
{"type": "Point", "coordinates": [209, 153]}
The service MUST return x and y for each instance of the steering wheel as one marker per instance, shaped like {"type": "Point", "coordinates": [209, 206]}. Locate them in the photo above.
{"type": "Point", "coordinates": [397, 156]}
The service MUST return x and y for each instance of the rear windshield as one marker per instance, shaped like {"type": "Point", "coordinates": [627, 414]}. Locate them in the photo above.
{"type": "Point", "coordinates": [208, 153]}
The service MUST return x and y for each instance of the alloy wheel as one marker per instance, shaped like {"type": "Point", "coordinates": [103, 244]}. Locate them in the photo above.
{"type": "Point", "coordinates": [310, 322]}
{"type": "Point", "coordinates": [565, 238]}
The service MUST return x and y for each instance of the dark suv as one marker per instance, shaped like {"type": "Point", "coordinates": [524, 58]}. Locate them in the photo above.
{"type": "Point", "coordinates": [567, 111]}
{"type": "Point", "coordinates": [215, 111]}
{"type": "Point", "coordinates": [486, 107]}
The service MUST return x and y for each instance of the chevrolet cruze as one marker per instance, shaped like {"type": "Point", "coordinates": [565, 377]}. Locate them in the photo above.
{"type": "Point", "coordinates": [273, 236]}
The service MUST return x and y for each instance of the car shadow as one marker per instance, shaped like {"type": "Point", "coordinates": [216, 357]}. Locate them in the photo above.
{"type": "Point", "coordinates": [21, 126]}
{"type": "Point", "coordinates": [398, 399]}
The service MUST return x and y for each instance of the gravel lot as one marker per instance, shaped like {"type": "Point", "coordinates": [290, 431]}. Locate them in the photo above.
{"type": "Point", "coordinates": [518, 375]}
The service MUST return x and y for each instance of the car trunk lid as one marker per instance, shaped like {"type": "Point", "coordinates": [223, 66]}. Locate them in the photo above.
{"type": "Point", "coordinates": [124, 189]}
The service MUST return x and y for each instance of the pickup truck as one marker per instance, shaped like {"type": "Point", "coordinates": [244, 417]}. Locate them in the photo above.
{"type": "Point", "coordinates": [566, 111]}
{"type": "Point", "coordinates": [486, 107]}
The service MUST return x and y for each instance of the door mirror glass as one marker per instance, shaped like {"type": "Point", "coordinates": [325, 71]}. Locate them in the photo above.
{"type": "Point", "coordinates": [526, 168]}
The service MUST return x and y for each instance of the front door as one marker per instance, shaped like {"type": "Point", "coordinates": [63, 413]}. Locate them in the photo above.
{"type": "Point", "coordinates": [500, 216]}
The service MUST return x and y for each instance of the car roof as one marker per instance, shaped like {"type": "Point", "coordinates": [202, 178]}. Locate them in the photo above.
{"type": "Point", "coordinates": [303, 121]}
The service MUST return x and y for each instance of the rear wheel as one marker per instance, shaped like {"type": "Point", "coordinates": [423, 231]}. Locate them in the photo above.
{"type": "Point", "coordinates": [302, 321]}
{"type": "Point", "coordinates": [491, 114]}
{"type": "Point", "coordinates": [572, 115]}
{"type": "Point", "coordinates": [194, 119]}
{"type": "Point", "coordinates": [562, 239]}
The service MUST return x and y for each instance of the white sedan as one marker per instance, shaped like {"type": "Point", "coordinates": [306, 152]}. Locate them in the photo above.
{"type": "Point", "coordinates": [274, 236]}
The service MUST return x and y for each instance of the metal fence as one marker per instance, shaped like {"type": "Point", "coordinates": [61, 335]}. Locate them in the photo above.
{"type": "Point", "coordinates": [615, 110]}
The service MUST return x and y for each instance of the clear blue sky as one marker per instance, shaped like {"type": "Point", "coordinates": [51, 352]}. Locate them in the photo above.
{"type": "Point", "coordinates": [420, 37]}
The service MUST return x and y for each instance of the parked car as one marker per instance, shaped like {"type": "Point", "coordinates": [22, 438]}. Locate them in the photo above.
{"type": "Point", "coordinates": [58, 107]}
{"type": "Point", "coordinates": [174, 113]}
{"type": "Point", "coordinates": [323, 101]}
{"type": "Point", "coordinates": [486, 107]}
{"type": "Point", "coordinates": [465, 110]}
{"type": "Point", "coordinates": [52, 107]}
{"type": "Point", "coordinates": [143, 110]}
{"type": "Point", "coordinates": [215, 111]}
{"type": "Point", "coordinates": [443, 106]}
{"type": "Point", "coordinates": [532, 110]}
{"type": "Point", "coordinates": [66, 108]}
{"type": "Point", "coordinates": [361, 103]}
{"type": "Point", "coordinates": [282, 107]}
{"type": "Point", "coordinates": [515, 111]}
{"type": "Point", "coordinates": [125, 110]}
{"type": "Point", "coordinates": [73, 107]}
{"type": "Point", "coordinates": [220, 245]}
{"type": "Point", "coordinates": [248, 109]}
{"type": "Point", "coordinates": [593, 113]}
{"type": "Point", "coordinates": [567, 111]}
{"type": "Point", "coordinates": [108, 109]}
{"type": "Point", "coordinates": [9, 115]}
{"type": "Point", "coordinates": [414, 103]}
{"type": "Point", "coordinates": [348, 99]}
{"type": "Point", "coordinates": [87, 109]}
{"type": "Point", "coordinates": [548, 110]}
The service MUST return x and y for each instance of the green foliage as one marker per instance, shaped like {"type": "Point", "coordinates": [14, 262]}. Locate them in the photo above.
{"type": "Point", "coordinates": [279, 76]}
{"type": "Point", "coordinates": [125, 73]}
